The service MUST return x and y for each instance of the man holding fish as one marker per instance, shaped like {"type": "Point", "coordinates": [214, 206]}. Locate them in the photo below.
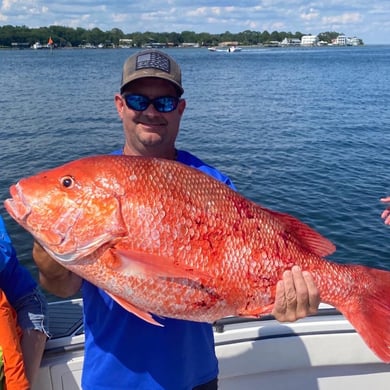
{"type": "Point", "coordinates": [123, 351]}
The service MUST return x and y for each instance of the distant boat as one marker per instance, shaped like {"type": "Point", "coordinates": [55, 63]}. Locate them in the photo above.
{"type": "Point", "coordinates": [37, 45]}
{"type": "Point", "coordinates": [230, 49]}
{"type": "Point", "coordinates": [50, 44]}
{"type": "Point", "coordinates": [233, 49]}
{"type": "Point", "coordinates": [88, 45]}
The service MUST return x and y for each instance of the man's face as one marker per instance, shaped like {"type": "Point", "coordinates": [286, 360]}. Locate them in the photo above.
{"type": "Point", "coordinates": [150, 132]}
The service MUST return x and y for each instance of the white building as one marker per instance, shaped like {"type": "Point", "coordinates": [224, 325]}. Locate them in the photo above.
{"type": "Point", "coordinates": [125, 42]}
{"type": "Point", "coordinates": [309, 40]}
{"type": "Point", "coordinates": [354, 41]}
{"type": "Point", "coordinates": [341, 40]}
{"type": "Point", "coordinates": [291, 42]}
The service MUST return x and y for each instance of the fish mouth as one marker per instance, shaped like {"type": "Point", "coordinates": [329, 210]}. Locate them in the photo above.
{"type": "Point", "coordinates": [56, 239]}
{"type": "Point", "coordinates": [22, 211]}
{"type": "Point", "coordinates": [17, 206]}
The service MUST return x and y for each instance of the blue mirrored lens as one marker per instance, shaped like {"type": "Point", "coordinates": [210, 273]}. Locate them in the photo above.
{"type": "Point", "coordinates": [161, 104]}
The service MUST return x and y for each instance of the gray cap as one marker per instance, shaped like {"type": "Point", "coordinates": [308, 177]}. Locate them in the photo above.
{"type": "Point", "coordinates": [151, 63]}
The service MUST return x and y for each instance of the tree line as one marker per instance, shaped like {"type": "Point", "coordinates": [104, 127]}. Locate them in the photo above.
{"type": "Point", "coordinates": [73, 37]}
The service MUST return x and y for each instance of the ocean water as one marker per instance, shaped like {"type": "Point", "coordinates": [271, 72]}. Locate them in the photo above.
{"type": "Point", "coordinates": [303, 131]}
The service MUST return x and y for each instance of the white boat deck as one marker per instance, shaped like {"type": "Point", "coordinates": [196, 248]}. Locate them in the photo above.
{"type": "Point", "coordinates": [321, 352]}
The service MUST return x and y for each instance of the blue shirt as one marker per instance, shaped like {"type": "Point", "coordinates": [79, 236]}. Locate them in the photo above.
{"type": "Point", "coordinates": [15, 280]}
{"type": "Point", "coordinates": [125, 352]}
{"type": "Point", "coordinates": [20, 288]}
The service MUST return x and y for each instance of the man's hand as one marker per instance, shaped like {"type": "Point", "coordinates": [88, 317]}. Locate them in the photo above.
{"type": "Point", "coordinates": [53, 276]}
{"type": "Point", "coordinates": [296, 297]}
{"type": "Point", "coordinates": [386, 213]}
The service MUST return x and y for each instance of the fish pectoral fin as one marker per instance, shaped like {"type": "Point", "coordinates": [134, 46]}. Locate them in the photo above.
{"type": "Point", "coordinates": [149, 265]}
{"type": "Point", "coordinates": [134, 309]}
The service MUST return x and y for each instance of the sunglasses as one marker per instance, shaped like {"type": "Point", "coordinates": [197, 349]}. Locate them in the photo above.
{"type": "Point", "coordinates": [161, 104]}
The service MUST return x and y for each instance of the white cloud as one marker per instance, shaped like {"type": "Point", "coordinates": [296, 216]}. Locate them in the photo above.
{"type": "Point", "coordinates": [214, 16]}
{"type": "Point", "coordinates": [8, 4]}
{"type": "Point", "coordinates": [216, 11]}
{"type": "Point", "coordinates": [342, 19]}
{"type": "Point", "coordinates": [202, 11]}
{"type": "Point", "coordinates": [310, 15]}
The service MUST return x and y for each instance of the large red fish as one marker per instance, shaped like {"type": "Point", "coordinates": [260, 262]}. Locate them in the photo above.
{"type": "Point", "coordinates": [166, 239]}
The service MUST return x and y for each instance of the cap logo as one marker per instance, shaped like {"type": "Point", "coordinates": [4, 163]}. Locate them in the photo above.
{"type": "Point", "coordinates": [153, 60]}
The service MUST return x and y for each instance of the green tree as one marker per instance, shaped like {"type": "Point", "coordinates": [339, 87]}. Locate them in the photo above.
{"type": "Point", "coordinates": [189, 37]}
{"type": "Point", "coordinates": [67, 36]}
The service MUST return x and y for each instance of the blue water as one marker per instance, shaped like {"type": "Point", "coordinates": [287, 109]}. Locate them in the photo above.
{"type": "Point", "coordinates": [304, 131]}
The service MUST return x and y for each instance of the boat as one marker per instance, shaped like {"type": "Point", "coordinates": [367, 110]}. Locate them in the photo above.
{"type": "Point", "coordinates": [37, 45]}
{"type": "Point", "coordinates": [320, 352]}
{"type": "Point", "coordinates": [50, 43]}
{"type": "Point", "coordinates": [230, 49]}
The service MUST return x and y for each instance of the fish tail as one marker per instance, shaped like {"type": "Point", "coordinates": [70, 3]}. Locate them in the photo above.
{"type": "Point", "coordinates": [369, 310]}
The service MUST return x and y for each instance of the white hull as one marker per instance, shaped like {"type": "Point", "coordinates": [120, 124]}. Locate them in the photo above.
{"type": "Point", "coordinates": [231, 49]}
{"type": "Point", "coordinates": [322, 352]}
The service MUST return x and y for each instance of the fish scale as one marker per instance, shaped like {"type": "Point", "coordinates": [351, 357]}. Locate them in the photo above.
{"type": "Point", "coordinates": [165, 239]}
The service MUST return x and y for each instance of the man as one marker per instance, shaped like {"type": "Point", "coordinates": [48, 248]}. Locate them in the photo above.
{"type": "Point", "coordinates": [121, 350]}
{"type": "Point", "coordinates": [23, 319]}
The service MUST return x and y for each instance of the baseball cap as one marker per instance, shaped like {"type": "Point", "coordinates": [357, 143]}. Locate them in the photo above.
{"type": "Point", "coordinates": [151, 63]}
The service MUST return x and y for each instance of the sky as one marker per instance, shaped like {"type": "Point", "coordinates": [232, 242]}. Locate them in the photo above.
{"type": "Point", "coordinates": [365, 19]}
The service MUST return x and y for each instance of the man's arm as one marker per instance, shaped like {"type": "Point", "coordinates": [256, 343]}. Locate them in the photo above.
{"type": "Point", "coordinates": [296, 297]}
{"type": "Point", "coordinates": [54, 277]}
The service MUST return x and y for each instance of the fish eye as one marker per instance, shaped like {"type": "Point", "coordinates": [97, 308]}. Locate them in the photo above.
{"type": "Point", "coordinates": [67, 181]}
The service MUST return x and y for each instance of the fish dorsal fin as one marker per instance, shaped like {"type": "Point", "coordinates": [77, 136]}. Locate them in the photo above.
{"type": "Point", "coordinates": [134, 309]}
{"type": "Point", "coordinates": [308, 237]}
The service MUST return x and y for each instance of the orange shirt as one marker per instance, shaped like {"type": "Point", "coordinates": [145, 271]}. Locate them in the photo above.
{"type": "Point", "coordinates": [10, 333]}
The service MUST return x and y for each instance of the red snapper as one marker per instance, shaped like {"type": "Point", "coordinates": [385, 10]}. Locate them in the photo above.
{"type": "Point", "coordinates": [165, 239]}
